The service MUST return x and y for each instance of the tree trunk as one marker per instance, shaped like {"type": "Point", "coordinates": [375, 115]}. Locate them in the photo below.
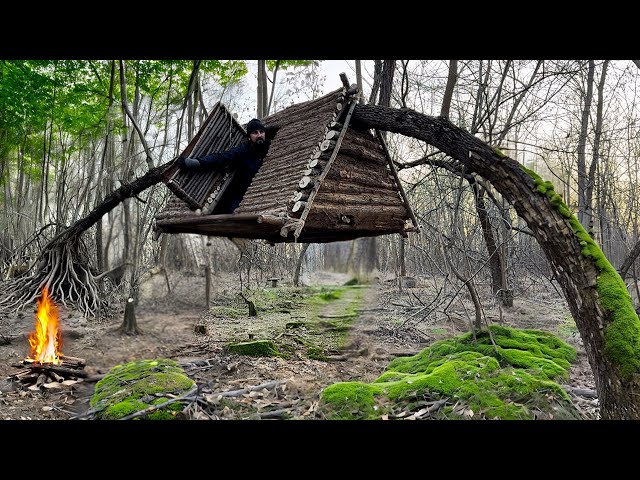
{"type": "Point", "coordinates": [596, 295]}
{"type": "Point", "coordinates": [377, 71]}
{"type": "Point", "coordinates": [129, 257]}
{"type": "Point", "coordinates": [401, 256]}
{"type": "Point", "coordinates": [359, 80]}
{"type": "Point", "coordinates": [367, 247]}
{"type": "Point", "coordinates": [296, 275]}
{"type": "Point", "coordinates": [129, 324]}
{"type": "Point", "coordinates": [596, 151]}
{"type": "Point", "coordinates": [583, 180]}
{"type": "Point", "coordinates": [476, 325]}
{"type": "Point", "coordinates": [386, 82]}
{"type": "Point", "coordinates": [495, 265]}
{"type": "Point", "coordinates": [631, 258]}
{"type": "Point", "coordinates": [448, 91]}
{"type": "Point", "coordinates": [273, 88]}
{"type": "Point", "coordinates": [262, 89]}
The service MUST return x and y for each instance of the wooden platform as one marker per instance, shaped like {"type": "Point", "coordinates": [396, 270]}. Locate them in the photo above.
{"type": "Point", "coordinates": [261, 227]}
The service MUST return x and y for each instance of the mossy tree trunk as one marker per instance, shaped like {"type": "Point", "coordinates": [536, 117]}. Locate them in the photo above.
{"type": "Point", "coordinates": [597, 296]}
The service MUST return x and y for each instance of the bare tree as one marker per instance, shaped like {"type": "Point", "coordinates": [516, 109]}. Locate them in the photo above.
{"type": "Point", "coordinates": [63, 267]}
{"type": "Point", "coordinates": [364, 250]}
{"type": "Point", "coordinates": [583, 178]}
{"type": "Point", "coordinates": [596, 152]}
{"type": "Point", "coordinates": [448, 91]}
{"type": "Point", "coordinates": [262, 98]}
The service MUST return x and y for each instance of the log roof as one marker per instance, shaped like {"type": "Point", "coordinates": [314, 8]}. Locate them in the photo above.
{"type": "Point", "coordinates": [321, 181]}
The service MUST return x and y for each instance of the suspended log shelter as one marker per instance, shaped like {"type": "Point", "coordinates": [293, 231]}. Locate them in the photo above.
{"type": "Point", "coordinates": [322, 180]}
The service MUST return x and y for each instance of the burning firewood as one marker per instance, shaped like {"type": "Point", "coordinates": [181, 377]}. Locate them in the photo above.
{"type": "Point", "coordinates": [46, 364]}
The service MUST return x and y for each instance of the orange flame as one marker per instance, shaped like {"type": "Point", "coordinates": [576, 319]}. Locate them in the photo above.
{"type": "Point", "coordinates": [46, 341]}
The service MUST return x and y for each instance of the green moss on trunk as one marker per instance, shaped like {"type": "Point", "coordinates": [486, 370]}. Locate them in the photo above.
{"type": "Point", "coordinates": [622, 335]}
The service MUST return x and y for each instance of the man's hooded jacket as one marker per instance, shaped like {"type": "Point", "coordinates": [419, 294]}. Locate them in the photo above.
{"type": "Point", "coordinates": [246, 159]}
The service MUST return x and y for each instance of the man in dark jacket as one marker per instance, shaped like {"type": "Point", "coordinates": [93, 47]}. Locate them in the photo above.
{"type": "Point", "coordinates": [245, 158]}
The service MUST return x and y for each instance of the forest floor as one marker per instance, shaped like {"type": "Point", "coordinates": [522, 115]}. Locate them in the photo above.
{"type": "Point", "coordinates": [389, 323]}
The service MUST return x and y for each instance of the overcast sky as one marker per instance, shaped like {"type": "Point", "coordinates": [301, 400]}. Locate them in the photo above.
{"type": "Point", "coordinates": [331, 69]}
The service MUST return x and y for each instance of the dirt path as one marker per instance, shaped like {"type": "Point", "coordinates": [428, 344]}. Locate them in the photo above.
{"type": "Point", "coordinates": [370, 345]}
{"type": "Point", "coordinates": [373, 339]}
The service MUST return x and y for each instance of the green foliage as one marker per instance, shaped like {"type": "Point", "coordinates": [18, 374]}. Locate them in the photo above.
{"type": "Point", "coordinates": [70, 97]}
{"type": "Point", "coordinates": [284, 64]}
{"type": "Point", "coordinates": [225, 72]}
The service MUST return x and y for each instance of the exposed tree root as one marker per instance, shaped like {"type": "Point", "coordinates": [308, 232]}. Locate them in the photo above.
{"type": "Point", "coordinates": [64, 269]}
{"type": "Point", "coordinates": [63, 265]}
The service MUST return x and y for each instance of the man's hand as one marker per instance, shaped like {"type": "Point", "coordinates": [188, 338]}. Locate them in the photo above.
{"type": "Point", "coordinates": [188, 163]}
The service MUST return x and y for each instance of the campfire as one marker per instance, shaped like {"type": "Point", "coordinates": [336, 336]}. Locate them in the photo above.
{"type": "Point", "coordinates": [46, 341]}
{"type": "Point", "coordinates": [46, 366]}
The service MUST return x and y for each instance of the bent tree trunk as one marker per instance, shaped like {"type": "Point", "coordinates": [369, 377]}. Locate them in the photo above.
{"type": "Point", "coordinates": [597, 296]}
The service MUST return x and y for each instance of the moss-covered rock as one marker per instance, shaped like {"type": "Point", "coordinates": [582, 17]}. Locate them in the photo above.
{"type": "Point", "coordinates": [351, 400]}
{"type": "Point", "coordinates": [258, 348]}
{"type": "Point", "coordinates": [510, 380]}
{"type": "Point", "coordinates": [135, 386]}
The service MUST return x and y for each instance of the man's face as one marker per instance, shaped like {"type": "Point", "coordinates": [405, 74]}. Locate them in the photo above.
{"type": "Point", "coordinates": [257, 136]}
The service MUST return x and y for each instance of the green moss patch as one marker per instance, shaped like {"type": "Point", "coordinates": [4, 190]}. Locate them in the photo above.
{"type": "Point", "coordinates": [512, 380]}
{"type": "Point", "coordinates": [316, 353]}
{"type": "Point", "coordinates": [499, 152]}
{"type": "Point", "coordinates": [332, 295]}
{"type": "Point", "coordinates": [258, 348]}
{"type": "Point", "coordinates": [331, 312]}
{"type": "Point", "coordinates": [352, 400]}
{"type": "Point", "coordinates": [224, 311]}
{"type": "Point", "coordinates": [134, 386]}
